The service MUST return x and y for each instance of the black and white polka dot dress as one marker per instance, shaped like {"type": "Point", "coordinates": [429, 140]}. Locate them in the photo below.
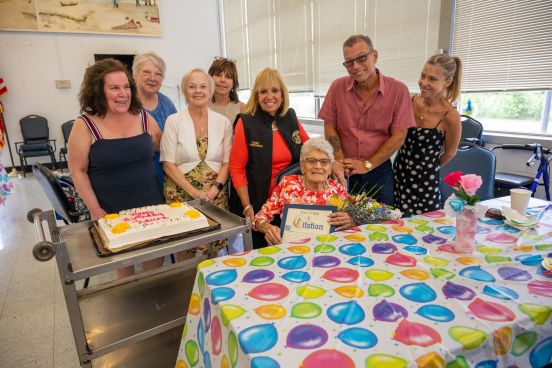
{"type": "Point", "coordinates": [417, 171]}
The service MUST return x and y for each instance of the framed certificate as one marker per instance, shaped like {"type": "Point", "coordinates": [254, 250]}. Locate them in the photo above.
{"type": "Point", "coordinates": [301, 221]}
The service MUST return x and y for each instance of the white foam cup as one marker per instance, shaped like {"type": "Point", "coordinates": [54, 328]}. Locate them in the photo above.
{"type": "Point", "coordinates": [520, 199]}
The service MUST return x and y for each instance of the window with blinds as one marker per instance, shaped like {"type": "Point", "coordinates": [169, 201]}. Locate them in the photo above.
{"type": "Point", "coordinates": [303, 38]}
{"type": "Point", "coordinates": [504, 44]}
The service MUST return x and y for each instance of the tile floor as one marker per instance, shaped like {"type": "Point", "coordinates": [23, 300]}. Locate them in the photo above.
{"type": "Point", "coordinates": [34, 324]}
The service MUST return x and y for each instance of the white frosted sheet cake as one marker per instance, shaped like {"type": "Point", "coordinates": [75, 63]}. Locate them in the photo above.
{"type": "Point", "coordinates": [139, 225]}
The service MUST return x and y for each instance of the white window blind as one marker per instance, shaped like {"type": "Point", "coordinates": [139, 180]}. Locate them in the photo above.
{"type": "Point", "coordinates": [504, 44]}
{"type": "Point", "coordinates": [405, 33]}
{"type": "Point", "coordinates": [303, 38]}
{"type": "Point", "coordinates": [275, 33]}
{"type": "Point", "coordinates": [235, 22]}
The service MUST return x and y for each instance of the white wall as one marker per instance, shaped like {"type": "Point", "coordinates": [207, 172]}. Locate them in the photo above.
{"type": "Point", "coordinates": [30, 62]}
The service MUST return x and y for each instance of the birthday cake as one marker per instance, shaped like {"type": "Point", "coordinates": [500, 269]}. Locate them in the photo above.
{"type": "Point", "coordinates": [139, 225]}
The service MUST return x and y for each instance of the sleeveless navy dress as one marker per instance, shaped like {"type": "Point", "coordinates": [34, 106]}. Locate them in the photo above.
{"type": "Point", "coordinates": [121, 170]}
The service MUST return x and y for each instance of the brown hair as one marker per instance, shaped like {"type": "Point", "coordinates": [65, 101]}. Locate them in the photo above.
{"type": "Point", "coordinates": [92, 96]}
{"type": "Point", "coordinates": [228, 67]}
{"type": "Point", "coordinates": [349, 42]}
{"type": "Point", "coordinates": [452, 68]}
{"type": "Point", "coordinates": [266, 78]}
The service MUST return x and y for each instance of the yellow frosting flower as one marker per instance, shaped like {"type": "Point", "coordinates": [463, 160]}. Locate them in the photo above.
{"type": "Point", "coordinates": [192, 214]}
{"type": "Point", "coordinates": [111, 216]}
{"type": "Point", "coordinates": [120, 228]}
{"type": "Point", "coordinates": [175, 204]}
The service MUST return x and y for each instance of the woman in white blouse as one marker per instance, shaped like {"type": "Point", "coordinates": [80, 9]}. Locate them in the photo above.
{"type": "Point", "coordinates": [195, 146]}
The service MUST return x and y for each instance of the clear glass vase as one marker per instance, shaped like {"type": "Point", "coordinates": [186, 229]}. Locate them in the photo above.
{"type": "Point", "coordinates": [466, 227]}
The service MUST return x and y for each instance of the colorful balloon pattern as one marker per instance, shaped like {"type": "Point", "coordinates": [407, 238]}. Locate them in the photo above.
{"type": "Point", "coordinates": [382, 295]}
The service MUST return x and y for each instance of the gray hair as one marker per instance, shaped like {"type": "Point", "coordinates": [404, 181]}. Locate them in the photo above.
{"type": "Point", "coordinates": [349, 42]}
{"type": "Point", "coordinates": [320, 144]}
{"type": "Point", "coordinates": [210, 81]}
{"type": "Point", "coordinates": [141, 59]}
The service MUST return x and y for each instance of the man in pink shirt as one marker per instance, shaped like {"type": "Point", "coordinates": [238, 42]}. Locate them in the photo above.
{"type": "Point", "coordinates": [366, 117]}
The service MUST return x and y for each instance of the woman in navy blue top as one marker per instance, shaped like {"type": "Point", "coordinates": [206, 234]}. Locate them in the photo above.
{"type": "Point", "coordinates": [112, 143]}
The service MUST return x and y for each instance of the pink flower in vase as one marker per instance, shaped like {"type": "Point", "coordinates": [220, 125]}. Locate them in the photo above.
{"type": "Point", "coordinates": [470, 183]}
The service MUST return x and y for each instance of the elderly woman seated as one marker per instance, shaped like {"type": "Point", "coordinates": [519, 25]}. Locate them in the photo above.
{"type": "Point", "coordinates": [314, 186]}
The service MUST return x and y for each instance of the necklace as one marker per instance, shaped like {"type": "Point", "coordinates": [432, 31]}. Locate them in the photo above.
{"type": "Point", "coordinates": [274, 127]}
{"type": "Point", "coordinates": [326, 184]}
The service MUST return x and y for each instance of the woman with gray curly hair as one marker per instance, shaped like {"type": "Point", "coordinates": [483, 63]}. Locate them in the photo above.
{"type": "Point", "coordinates": [148, 70]}
{"type": "Point", "coordinates": [314, 186]}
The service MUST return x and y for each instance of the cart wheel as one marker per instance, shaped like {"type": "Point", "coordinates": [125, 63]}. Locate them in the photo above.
{"type": "Point", "coordinates": [43, 251]}
{"type": "Point", "coordinates": [31, 213]}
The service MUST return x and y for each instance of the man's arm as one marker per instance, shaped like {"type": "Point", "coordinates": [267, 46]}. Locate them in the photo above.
{"type": "Point", "coordinates": [338, 171]}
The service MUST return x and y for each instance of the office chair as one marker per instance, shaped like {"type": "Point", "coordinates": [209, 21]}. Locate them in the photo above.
{"type": "Point", "coordinates": [472, 131]}
{"type": "Point", "coordinates": [66, 131]}
{"type": "Point", "coordinates": [36, 140]}
{"type": "Point", "coordinates": [471, 159]}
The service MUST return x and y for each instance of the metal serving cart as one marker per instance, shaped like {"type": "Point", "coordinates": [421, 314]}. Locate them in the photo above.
{"type": "Point", "coordinates": [136, 321]}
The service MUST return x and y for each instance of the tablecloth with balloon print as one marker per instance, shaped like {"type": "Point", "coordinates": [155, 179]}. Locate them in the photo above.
{"type": "Point", "coordinates": [383, 295]}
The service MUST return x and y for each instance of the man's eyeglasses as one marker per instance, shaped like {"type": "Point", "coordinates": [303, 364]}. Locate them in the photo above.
{"type": "Point", "coordinates": [323, 161]}
{"type": "Point", "coordinates": [360, 59]}
{"type": "Point", "coordinates": [225, 59]}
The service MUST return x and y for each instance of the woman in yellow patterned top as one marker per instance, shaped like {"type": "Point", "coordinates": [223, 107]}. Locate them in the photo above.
{"type": "Point", "coordinates": [195, 147]}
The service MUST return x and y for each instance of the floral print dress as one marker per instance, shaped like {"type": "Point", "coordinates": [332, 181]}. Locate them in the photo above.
{"type": "Point", "coordinates": [200, 177]}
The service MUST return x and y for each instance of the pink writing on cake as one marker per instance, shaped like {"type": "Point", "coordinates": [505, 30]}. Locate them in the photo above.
{"type": "Point", "coordinates": [145, 217]}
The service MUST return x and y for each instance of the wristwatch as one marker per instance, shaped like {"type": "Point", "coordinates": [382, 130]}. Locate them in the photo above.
{"type": "Point", "coordinates": [218, 185]}
{"type": "Point", "coordinates": [367, 165]}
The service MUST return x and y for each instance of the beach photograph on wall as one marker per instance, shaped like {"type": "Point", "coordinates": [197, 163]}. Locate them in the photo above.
{"type": "Point", "coordinates": [132, 17]}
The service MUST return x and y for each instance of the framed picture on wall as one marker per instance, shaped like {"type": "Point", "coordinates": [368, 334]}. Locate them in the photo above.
{"type": "Point", "coordinates": [121, 17]}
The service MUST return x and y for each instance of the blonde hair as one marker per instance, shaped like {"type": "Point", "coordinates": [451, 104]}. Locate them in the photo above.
{"type": "Point", "coordinates": [267, 77]}
{"type": "Point", "coordinates": [210, 81]}
{"type": "Point", "coordinates": [452, 68]}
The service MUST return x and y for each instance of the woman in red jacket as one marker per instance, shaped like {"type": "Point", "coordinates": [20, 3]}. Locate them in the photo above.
{"type": "Point", "coordinates": [267, 139]}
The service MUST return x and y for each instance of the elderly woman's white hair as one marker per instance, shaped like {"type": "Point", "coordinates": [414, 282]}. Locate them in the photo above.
{"type": "Point", "coordinates": [210, 80]}
{"type": "Point", "coordinates": [320, 144]}
{"type": "Point", "coordinates": [141, 59]}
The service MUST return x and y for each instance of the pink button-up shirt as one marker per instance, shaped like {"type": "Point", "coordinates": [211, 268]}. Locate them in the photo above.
{"type": "Point", "coordinates": [364, 126]}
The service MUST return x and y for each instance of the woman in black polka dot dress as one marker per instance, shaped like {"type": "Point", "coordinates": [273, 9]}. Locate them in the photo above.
{"type": "Point", "coordinates": [434, 140]}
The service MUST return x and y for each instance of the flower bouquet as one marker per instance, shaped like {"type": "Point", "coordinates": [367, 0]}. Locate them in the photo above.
{"type": "Point", "coordinates": [364, 209]}
{"type": "Point", "coordinates": [462, 205]}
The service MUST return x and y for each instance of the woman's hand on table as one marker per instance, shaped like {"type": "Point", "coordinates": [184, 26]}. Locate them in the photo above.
{"type": "Point", "coordinates": [97, 213]}
{"type": "Point", "coordinates": [272, 233]}
{"type": "Point", "coordinates": [198, 194]}
{"type": "Point", "coordinates": [250, 212]}
{"type": "Point", "coordinates": [211, 194]}
{"type": "Point", "coordinates": [341, 221]}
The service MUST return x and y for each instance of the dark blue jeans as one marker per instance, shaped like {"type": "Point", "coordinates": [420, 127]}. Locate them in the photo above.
{"type": "Point", "coordinates": [381, 176]}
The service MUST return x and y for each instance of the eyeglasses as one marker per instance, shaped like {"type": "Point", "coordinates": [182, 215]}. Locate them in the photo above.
{"type": "Point", "coordinates": [323, 161]}
{"type": "Point", "coordinates": [360, 59]}
{"type": "Point", "coordinates": [225, 59]}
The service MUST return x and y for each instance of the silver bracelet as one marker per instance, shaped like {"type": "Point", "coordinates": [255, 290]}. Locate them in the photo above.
{"type": "Point", "coordinates": [246, 208]}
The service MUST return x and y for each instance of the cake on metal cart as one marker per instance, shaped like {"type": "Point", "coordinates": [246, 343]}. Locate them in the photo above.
{"type": "Point", "coordinates": [139, 225]}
